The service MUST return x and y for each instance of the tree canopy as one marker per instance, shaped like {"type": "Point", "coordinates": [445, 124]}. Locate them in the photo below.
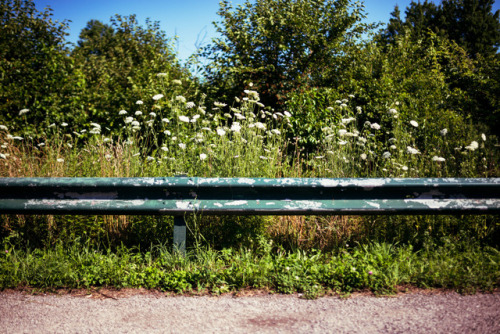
{"type": "Point", "coordinates": [279, 45]}
{"type": "Point", "coordinates": [470, 23]}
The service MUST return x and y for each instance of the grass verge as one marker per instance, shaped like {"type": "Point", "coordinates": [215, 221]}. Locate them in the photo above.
{"type": "Point", "coordinates": [379, 267]}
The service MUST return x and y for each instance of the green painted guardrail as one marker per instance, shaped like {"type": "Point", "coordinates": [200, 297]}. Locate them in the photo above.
{"type": "Point", "coordinates": [178, 196]}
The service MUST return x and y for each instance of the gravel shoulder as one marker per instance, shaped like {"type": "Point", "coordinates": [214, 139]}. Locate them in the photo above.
{"type": "Point", "coordinates": [146, 312]}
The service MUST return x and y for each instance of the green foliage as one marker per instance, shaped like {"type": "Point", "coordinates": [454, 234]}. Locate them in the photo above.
{"type": "Point", "coordinates": [121, 63]}
{"type": "Point", "coordinates": [468, 62]}
{"type": "Point", "coordinates": [379, 267]}
{"type": "Point", "coordinates": [36, 76]}
{"type": "Point", "coordinates": [279, 46]}
{"type": "Point", "coordinates": [470, 23]}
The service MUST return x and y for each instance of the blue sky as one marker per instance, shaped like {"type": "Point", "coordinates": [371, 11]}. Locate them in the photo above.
{"type": "Point", "coordinates": [190, 20]}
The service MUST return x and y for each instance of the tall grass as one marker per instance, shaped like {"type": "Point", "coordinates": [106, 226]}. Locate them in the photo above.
{"type": "Point", "coordinates": [167, 136]}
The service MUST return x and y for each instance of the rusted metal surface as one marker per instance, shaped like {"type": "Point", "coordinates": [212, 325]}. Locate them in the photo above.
{"type": "Point", "coordinates": [249, 196]}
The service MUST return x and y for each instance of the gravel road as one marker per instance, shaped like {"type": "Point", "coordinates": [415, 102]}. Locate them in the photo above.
{"type": "Point", "coordinates": [156, 313]}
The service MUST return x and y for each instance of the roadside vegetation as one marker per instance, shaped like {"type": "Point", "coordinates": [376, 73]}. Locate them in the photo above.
{"type": "Point", "coordinates": [346, 99]}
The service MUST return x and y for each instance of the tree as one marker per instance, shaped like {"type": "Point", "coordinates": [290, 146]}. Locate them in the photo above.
{"type": "Point", "coordinates": [470, 23]}
{"type": "Point", "coordinates": [120, 62]}
{"type": "Point", "coordinates": [35, 70]}
{"type": "Point", "coordinates": [279, 45]}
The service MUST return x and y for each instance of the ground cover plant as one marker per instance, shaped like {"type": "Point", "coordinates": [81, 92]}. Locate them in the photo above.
{"type": "Point", "coordinates": [399, 114]}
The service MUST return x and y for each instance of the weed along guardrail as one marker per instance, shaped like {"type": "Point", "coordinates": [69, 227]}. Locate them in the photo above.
{"type": "Point", "coordinates": [181, 196]}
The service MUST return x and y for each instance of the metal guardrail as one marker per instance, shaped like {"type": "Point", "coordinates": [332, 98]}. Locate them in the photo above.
{"type": "Point", "coordinates": [178, 196]}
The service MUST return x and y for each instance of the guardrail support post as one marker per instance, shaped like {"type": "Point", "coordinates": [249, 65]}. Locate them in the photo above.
{"type": "Point", "coordinates": [180, 235]}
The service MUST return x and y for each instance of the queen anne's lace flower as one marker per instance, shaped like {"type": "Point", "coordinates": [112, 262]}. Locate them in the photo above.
{"type": "Point", "coordinates": [184, 119]}
{"type": "Point", "coordinates": [472, 146]}
{"type": "Point", "coordinates": [439, 159]}
{"type": "Point", "coordinates": [412, 150]}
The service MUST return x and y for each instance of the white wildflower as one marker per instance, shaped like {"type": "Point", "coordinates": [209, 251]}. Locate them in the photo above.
{"type": "Point", "coordinates": [176, 82]}
{"type": "Point", "coordinates": [347, 120]}
{"type": "Point", "coordinates": [363, 156]}
{"type": "Point", "coordinates": [203, 156]}
{"type": "Point", "coordinates": [40, 144]}
{"type": "Point", "coordinates": [138, 113]}
{"type": "Point", "coordinates": [443, 132]}
{"type": "Point", "coordinates": [128, 119]}
{"type": "Point", "coordinates": [342, 142]}
{"type": "Point", "coordinates": [342, 132]}
{"type": "Point", "coordinates": [60, 160]}
{"type": "Point", "coordinates": [375, 126]}
{"type": "Point", "coordinates": [219, 104]}
{"type": "Point", "coordinates": [122, 112]}
{"type": "Point", "coordinates": [3, 156]}
{"type": "Point", "coordinates": [165, 120]}
{"type": "Point", "coordinates": [404, 168]}
{"type": "Point", "coordinates": [107, 140]}
{"type": "Point", "coordinates": [262, 157]}
{"type": "Point", "coordinates": [190, 105]}
{"type": "Point", "coordinates": [414, 123]}
{"type": "Point", "coordinates": [472, 146]}
{"type": "Point", "coordinates": [239, 116]}
{"type": "Point", "coordinates": [150, 159]}
{"type": "Point", "coordinates": [439, 159]}
{"type": "Point", "coordinates": [276, 131]}
{"type": "Point", "coordinates": [343, 105]}
{"type": "Point", "coordinates": [184, 119]}
{"type": "Point", "coordinates": [95, 125]}
{"type": "Point", "coordinates": [164, 148]}
{"type": "Point", "coordinates": [412, 150]}
{"type": "Point", "coordinates": [338, 101]}
{"type": "Point", "coordinates": [235, 127]}
{"type": "Point", "coordinates": [393, 111]}
{"type": "Point", "coordinates": [140, 102]}
{"type": "Point", "coordinates": [182, 146]}
{"type": "Point", "coordinates": [157, 97]}
{"type": "Point", "coordinates": [64, 124]}
{"type": "Point", "coordinates": [287, 114]}
{"type": "Point", "coordinates": [351, 96]}
{"type": "Point", "coordinates": [393, 147]}
{"type": "Point", "coordinates": [221, 132]}
{"type": "Point", "coordinates": [359, 110]}
{"type": "Point", "coordinates": [180, 98]}
{"type": "Point", "coordinates": [386, 155]}
{"type": "Point", "coordinates": [161, 75]}
{"type": "Point", "coordinates": [483, 136]}
{"type": "Point", "coordinates": [3, 127]}
{"type": "Point", "coordinates": [152, 114]}
{"type": "Point", "coordinates": [23, 111]}
{"type": "Point", "coordinates": [135, 123]}
{"type": "Point", "coordinates": [260, 125]}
